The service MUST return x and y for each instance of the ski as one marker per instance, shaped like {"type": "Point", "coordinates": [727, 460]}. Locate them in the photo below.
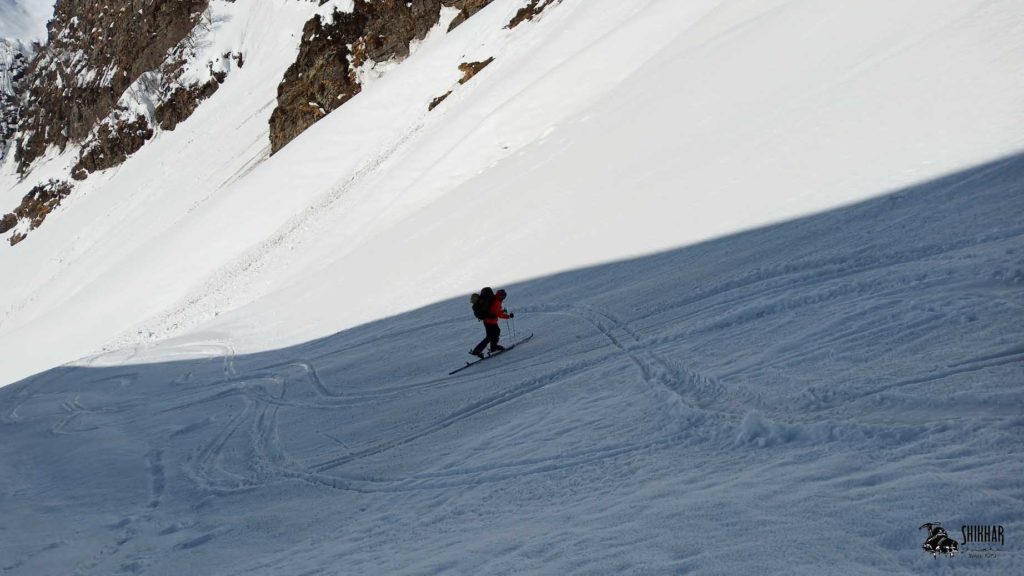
{"type": "Point", "coordinates": [489, 356]}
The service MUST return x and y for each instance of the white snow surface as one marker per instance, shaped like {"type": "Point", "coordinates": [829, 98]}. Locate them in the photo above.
{"type": "Point", "coordinates": [8, 50]}
{"type": "Point", "coordinates": [771, 253]}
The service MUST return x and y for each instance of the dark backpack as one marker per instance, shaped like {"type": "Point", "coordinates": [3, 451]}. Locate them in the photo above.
{"type": "Point", "coordinates": [481, 305]}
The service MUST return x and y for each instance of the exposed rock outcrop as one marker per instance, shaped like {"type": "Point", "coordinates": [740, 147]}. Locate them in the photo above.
{"type": "Point", "coordinates": [111, 144]}
{"type": "Point", "coordinates": [326, 73]}
{"type": "Point", "coordinates": [94, 53]}
{"type": "Point", "coordinates": [14, 56]}
{"type": "Point", "coordinates": [436, 101]}
{"type": "Point", "coordinates": [467, 8]}
{"type": "Point", "coordinates": [34, 208]}
{"type": "Point", "coordinates": [110, 75]}
{"type": "Point", "coordinates": [469, 70]}
{"type": "Point", "coordinates": [530, 11]}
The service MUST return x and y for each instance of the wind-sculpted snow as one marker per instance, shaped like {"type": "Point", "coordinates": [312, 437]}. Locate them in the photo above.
{"type": "Point", "coordinates": [794, 399]}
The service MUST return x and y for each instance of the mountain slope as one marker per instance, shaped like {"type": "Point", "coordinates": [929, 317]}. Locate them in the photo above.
{"type": "Point", "coordinates": [771, 253]}
{"type": "Point", "coordinates": [567, 150]}
{"type": "Point", "coordinates": [21, 25]}
{"type": "Point", "coordinates": [794, 399]}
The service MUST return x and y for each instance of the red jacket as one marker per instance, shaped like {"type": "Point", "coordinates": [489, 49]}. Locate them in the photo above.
{"type": "Point", "coordinates": [496, 311]}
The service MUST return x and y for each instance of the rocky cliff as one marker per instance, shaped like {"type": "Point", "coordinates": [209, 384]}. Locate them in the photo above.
{"type": "Point", "coordinates": [14, 56]}
{"type": "Point", "coordinates": [113, 74]}
{"type": "Point", "coordinates": [337, 46]}
{"type": "Point", "coordinates": [93, 55]}
{"type": "Point", "coordinates": [107, 77]}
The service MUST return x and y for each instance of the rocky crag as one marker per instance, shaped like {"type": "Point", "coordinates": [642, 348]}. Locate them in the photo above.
{"type": "Point", "coordinates": [92, 56]}
{"type": "Point", "coordinates": [113, 74]}
{"type": "Point", "coordinates": [334, 49]}
{"type": "Point", "coordinates": [14, 57]}
{"type": "Point", "coordinates": [532, 9]}
{"type": "Point", "coordinates": [34, 207]}
{"type": "Point", "coordinates": [106, 78]}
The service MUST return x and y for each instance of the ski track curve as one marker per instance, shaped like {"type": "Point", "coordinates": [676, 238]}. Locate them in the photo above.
{"type": "Point", "coordinates": [685, 393]}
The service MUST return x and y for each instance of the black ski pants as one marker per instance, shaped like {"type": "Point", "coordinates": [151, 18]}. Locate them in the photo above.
{"type": "Point", "coordinates": [493, 334]}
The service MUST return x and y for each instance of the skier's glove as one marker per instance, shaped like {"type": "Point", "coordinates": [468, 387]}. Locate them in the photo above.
{"type": "Point", "coordinates": [511, 315]}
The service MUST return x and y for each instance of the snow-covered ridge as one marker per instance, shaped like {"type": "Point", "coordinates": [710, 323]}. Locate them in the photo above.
{"type": "Point", "coordinates": [14, 56]}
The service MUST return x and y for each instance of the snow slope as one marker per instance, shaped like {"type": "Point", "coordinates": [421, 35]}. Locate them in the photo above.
{"type": "Point", "coordinates": [732, 372]}
{"type": "Point", "coordinates": [604, 130]}
{"type": "Point", "coordinates": [797, 399]}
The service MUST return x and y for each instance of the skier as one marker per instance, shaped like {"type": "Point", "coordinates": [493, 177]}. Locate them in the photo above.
{"type": "Point", "coordinates": [490, 304]}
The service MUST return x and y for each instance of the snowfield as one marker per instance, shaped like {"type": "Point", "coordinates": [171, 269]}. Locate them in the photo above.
{"type": "Point", "coordinates": [772, 254]}
{"type": "Point", "coordinates": [796, 399]}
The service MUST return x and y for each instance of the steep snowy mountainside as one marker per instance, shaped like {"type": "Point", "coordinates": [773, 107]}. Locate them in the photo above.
{"type": "Point", "coordinates": [342, 49]}
{"type": "Point", "coordinates": [103, 87]}
{"type": "Point", "coordinates": [14, 55]}
{"type": "Point", "coordinates": [718, 120]}
{"type": "Point", "coordinates": [216, 146]}
{"type": "Point", "coordinates": [22, 26]}
{"type": "Point", "coordinates": [771, 254]}
{"type": "Point", "coordinates": [94, 53]}
{"type": "Point", "coordinates": [112, 76]}
{"type": "Point", "coordinates": [566, 150]}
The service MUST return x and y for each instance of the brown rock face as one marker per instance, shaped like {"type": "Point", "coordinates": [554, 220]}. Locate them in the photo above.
{"type": "Point", "coordinates": [470, 69]}
{"type": "Point", "coordinates": [110, 74]}
{"type": "Point", "coordinates": [35, 206]}
{"type": "Point", "coordinates": [323, 76]}
{"type": "Point", "coordinates": [467, 8]}
{"type": "Point", "coordinates": [95, 51]}
{"type": "Point", "coordinates": [13, 63]}
{"type": "Point", "coordinates": [437, 101]}
{"type": "Point", "coordinates": [7, 222]}
{"type": "Point", "coordinates": [111, 145]}
{"type": "Point", "coordinates": [182, 102]}
{"type": "Point", "coordinates": [529, 12]}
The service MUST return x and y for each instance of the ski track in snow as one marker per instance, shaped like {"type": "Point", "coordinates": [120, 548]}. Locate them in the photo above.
{"type": "Point", "coordinates": [609, 385]}
{"type": "Point", "coordinates": [796, 398]}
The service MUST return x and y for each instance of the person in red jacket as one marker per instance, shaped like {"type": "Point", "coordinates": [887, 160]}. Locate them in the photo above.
{"type": "Point", "coordinates": [495, 311]}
